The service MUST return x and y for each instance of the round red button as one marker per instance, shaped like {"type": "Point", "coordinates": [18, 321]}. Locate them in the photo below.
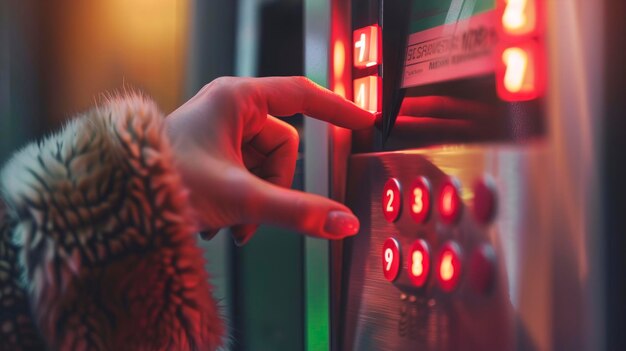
{"type": "Point", "coordinates": [450, 204]}
{"type": "Point", "coordinates": [419, 199]}
{"type": "Point", "coordinates": [391, 259]}
{"type": "Point", "coordinates": [419, 263]}
{"type": "Point", "coordinates": [484, 200]}
{"type": "Point", "coordinates": [449, 266]}
{"type": "Point", "coordinates": [482, 270]}
{"type": "Point", "coordinates": [391, 200]}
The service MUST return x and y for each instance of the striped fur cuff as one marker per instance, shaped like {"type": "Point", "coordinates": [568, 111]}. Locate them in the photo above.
{"type": "Point", "coordinates": [104, 235]}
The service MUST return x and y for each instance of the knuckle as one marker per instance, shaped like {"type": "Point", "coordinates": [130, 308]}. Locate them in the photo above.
{"type": "Point", "coordinates": [302, 80]}
{"type": "Point", "coordinates": [292, 135]}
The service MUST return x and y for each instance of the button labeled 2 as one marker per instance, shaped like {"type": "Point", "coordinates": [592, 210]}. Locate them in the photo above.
{"type": "Point", "coordinates": [391, 259]}
{"type": "Point", "coordinates": [391, 200]}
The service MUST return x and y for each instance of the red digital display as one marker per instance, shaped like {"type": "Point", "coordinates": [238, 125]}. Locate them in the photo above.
{"type": "Point", "coordinates": [418, 263]}
{"type": "Point", "coordinates": [366, 45]}
{"type": "Point", "coordinates": [391, 259]}
{"type": "Point", "coordinates": [367, 93]}
{"type": "Point", "coordinates": [449, 266]}
{"type": "Point", "coordinates": [520, 72]}
{"type": "Point", "coordinates": [391, 200]}
{"type": "Point", "coordinates": [419, 199]}
{"type": "Point", "coordinates": [450, 204]}
{"type": "Point", "coordinates": [520, 17]}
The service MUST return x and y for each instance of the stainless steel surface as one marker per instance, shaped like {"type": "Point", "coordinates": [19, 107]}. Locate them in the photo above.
{"type": "Point", "coordinates": [547, 233]}
{"type": "Point", "coordinates": [396, 316]}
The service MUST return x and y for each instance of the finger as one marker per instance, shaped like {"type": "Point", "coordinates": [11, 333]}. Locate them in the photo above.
{"type": "Point", "coordinates": [445, 107]}
{"type": "Point", "coordinates": [286, 96]}
{"type": "Point", "coordinates": [277, 142]}
{"type": "Point", "coordinates": [253, 159]}
{"type": "Point", "coordinates": [310, 214]}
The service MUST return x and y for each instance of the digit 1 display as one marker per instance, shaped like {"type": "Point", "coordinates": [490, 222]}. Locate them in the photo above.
{"type": "Point", "coordinates": [366, 45]}
{"type": "Point", "coordinates": [520, 17]}
{"type": "Point", "coordinates": [520, 73]}
{"type": "Point", "coordinates": [367, 93]}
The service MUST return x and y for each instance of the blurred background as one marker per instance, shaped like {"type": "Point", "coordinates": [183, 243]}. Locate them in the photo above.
{"type": "Point", "coordinates": [58, 57]}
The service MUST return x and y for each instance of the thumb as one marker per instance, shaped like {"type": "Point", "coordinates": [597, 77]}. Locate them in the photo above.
{"type": "Point", "coordinates": [310, 214]}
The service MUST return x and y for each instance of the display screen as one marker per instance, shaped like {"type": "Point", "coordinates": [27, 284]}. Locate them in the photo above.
{"type": "Point", "coordinates": [449, 39]}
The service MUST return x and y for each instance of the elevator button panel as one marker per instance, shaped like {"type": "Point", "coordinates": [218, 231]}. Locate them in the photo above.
{"type": "Point", "coordinates": [430, 259]}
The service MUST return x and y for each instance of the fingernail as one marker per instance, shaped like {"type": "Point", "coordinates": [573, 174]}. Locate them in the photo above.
{"type": "Point", "coordinates": [341, 223]}
{"type": "Point", "coordinates": [241, 241]}
{"type": "Point", "coordinates": [243, 233]}
{"type": "Point", "coordinates": [208, 234]}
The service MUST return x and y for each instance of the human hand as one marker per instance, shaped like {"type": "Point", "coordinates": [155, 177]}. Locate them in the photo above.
{"type": "Point", "coordinates": [238, 161]}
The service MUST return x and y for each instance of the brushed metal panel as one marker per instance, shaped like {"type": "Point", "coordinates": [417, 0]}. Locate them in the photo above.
{"type": "Point", "coordinates": [380, 315]}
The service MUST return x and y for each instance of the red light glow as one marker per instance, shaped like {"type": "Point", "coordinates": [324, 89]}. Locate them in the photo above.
{"type": "Point", "coordinates": [449, 202]}
{"type": "Point", "coordinates": [520, 74]}
{"type": "Point", "coordinates": [520, 17]}
{"type": "Point", "coordinates": [366, 44]}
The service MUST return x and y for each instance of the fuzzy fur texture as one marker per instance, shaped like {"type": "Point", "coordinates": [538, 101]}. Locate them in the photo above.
{"type": "Point", "coordinates": [101, 237]}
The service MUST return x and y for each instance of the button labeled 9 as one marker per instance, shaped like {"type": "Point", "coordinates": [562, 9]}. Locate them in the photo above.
{"type": "Point", "coordinates": [391, 259]}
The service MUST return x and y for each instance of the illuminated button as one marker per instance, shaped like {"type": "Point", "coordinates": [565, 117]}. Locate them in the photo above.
{"type": "Point", "coordinates": [519, 17]}
{"type": "Point", "coordinates": [520, 72]}
{"type": "Point", "coordinates": [419, 199]}
{"type": "Point", "coordinates": [449, 266]}
{"type": "Point", "coordinates": [366, 44]}
{"type": "Point", "coordinates": [391, 200]}
{"type": "Point", "coordinates": [450, 204]}
{"type": "Point", "coordinates": [418, 264]}
{"type": "Point", "coordinates": [484, 200]}
{"type": "Point", "coordinates": [482, 270]}
{"type": "Point", "coordinates": [367, 93]}
{"type": "Point", "coordinates": [391, 259]}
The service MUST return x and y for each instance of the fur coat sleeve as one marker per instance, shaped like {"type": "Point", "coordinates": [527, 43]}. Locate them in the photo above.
{"type": "Point", "coordinates": [96, 245]}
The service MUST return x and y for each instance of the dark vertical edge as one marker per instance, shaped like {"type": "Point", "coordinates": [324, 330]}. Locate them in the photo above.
{"type": "Point", "coordinates": [614, 175]}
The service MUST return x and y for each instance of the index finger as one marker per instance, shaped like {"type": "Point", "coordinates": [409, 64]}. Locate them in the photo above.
{"type": "Point", "coordinates": [286, 96]}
